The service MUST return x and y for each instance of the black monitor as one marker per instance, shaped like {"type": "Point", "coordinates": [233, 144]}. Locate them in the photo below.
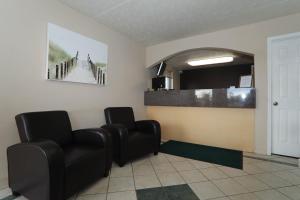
{"type": "Point", "coordinates": [158, 83]}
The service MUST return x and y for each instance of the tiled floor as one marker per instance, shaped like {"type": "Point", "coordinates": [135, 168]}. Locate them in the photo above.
{"type": "Point", "coordinates": [264, 178]}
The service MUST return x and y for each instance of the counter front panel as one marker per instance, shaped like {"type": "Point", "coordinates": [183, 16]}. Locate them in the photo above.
{"type": "Point", "coordinates": [218, 98]}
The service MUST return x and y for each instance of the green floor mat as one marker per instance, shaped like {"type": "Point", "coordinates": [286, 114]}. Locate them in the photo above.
{"type": "Point", "coordinates": [220, 156]}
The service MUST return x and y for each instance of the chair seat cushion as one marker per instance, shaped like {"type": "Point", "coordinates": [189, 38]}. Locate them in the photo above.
{"type": "Point", "coordinates": [84, 165]}
{"type": "Point", "coordinates": [140, 143]}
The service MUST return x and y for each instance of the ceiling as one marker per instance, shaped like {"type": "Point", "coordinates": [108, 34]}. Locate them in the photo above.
{"type": "Point", "coordinates": [155, 21]}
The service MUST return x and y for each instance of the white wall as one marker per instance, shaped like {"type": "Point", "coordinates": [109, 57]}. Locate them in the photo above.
{"type": "Point", "coordinates": [251, 38]}
{"type": "Point", "coordinates": [23, 29]}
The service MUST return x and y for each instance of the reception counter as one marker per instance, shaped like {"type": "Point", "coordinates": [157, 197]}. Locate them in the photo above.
{"type": "Point", "coordinates": [218, 98]}
{"type": "Point", "coordinates": [215, 117]}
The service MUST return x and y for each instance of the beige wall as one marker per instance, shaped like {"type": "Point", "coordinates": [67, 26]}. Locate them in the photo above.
{"type": "Point", "coordinates": [221, 127]}
{"type": "Point", "coordinates": [23, 62]}
{"type": "Point", "coordinates": [250, 38]}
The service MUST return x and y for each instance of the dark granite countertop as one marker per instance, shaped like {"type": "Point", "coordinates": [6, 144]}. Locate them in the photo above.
{"type": "Point", "coordinates": [218, 98]}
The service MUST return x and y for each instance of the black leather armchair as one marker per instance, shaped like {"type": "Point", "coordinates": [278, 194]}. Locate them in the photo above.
{"type": "Point", "coordinates": [52, 162]}
{"type": "Point", "coordinates": [131, 139]}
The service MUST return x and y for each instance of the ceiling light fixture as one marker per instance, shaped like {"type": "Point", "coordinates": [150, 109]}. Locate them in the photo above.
{"type": "Point", "coordinates": [211, 61]}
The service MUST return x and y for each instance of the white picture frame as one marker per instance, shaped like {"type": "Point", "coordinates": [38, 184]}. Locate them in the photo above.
{"type": "Point", "coordinates": [245, 81]}
{"type": "Point", "coordinates": [72, 57]}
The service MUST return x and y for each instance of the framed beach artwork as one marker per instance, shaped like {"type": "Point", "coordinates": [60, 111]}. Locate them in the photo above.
{"type": "Point", "coordinates": [75, 58]}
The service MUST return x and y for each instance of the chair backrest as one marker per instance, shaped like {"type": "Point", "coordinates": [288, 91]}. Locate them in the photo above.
{"type": "Point", "coordinates": [48, 125]}
{"type": "Point", "coordinates": [120, 115]}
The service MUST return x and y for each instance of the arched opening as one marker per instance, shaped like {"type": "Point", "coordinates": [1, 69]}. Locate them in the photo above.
{"type": "Point", "coordinates": [203, 68]}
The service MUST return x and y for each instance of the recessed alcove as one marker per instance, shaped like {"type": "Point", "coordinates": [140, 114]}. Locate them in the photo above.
{"type": "Point", "coordinates": [181, 75]}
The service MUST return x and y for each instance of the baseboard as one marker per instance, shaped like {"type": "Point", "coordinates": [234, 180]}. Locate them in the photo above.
{"type": "Point", "coordinates": [3, 183]}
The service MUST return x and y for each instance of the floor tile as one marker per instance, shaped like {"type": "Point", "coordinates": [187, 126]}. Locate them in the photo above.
{"type": "Point", "coordinates": [289, 176]}
{"type": "Point", "coordinates": [152, 171]}
{"type": "Point", "coordinates": [164, 168]}
{"type": "Point", "coordinates": [200, 164]}
{"type": "Point", "coordinates": [3, 183]}
{"type": "Point", "coordinates": [23, 198]}
{"type": "Point", "coordinates": [5, 192]}
{"type": "Point", "coordinates": [249, 160]}
{"type": "Point", "coordinates": [269, 166]}
{"type": "Point", "coordinates": [217, 165]}
{"type": "Point", "coordinates": [160, 158]}
{"type": "Point", "coordinates": [286, 159]}
{"type": "Point", "coordinates": [252, 169]}
{"type": "Point", "coordinates": [141, 161]}
{"type": "Point", "coordinates": [125, 171]}
{"type": "Point", "coordinates": [172, 158]}
{"type": "Point", "coordinates": [296, 171]}
{"type": "Point", "coordinates": [183, 166]}
{"type": "Point", "coordinates": [143, 170]}
{"type": "Point", "coordinates": [230, 187]}
{"type": "Point", "coordinates": [251, 183]}
{"type": "Point", "coordinates": [142, 182]}
{"type": "Point", "coordinates": [128, 195]}
{"type": "Point", "coordinates": [287, 167]}
{"type": "Point", "coordinates": [292, 192]}
{"type": "Point", "coordinates": [192, 176]}
{"type": "Point", "coordinates": [274, 158]}
{"type": "Point", "coordinates": [206, 190]}
{"type": "Point", "coordinates": [270, 195]}
{"type": "Point", "coordinates": [222, 198]}
{"type": "Point", "coordinates": [121, 184]}
{"type": "Point", "coordinates": [92, 197]}
{"type": "Point", "coordinates": [272, 180]}
{"type": "Point", "coordinates": [256, 155]}
{"type": "Point", "coordinates": [213, 173]}
{"type": "Point", "coordinates": [232, 172]}
{"type": "Point", "coordinates": [249, 196]}
{"type": "Point", "coordinates": [289, 161]}
{"type": "Point", "coordinates": [173, 178]}
{"type": "Point", "coordinates": [97, 188]}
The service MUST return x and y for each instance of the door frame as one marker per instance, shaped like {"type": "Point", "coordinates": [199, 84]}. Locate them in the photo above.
{"type": "Point", "coordinates": [270, 100]}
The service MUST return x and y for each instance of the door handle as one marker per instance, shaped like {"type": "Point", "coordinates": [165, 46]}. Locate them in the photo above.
{"type": "Point", "coordinates": [275, 103]}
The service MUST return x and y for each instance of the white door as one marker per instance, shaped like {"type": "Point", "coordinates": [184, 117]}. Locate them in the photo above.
{"type": "Point", "coordinates": [285, 83]}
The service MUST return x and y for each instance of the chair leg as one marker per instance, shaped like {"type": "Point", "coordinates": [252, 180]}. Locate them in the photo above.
{"type": "Point", "coordinates": [121, 164]}
{"type": "Point", "coordinates": [16, 194]}
{"type": "Point", "coordinates": [106, 173]}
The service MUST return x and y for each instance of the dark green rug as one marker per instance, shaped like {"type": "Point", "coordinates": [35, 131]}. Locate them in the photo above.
{"type": "Point", "coordinates": [177, 192]}
{"type": "Point", "coordinates": [220, 156]}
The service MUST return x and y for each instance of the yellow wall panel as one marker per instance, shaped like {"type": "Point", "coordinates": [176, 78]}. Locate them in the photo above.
{"type": "Point", "coordinates": [221, 127]}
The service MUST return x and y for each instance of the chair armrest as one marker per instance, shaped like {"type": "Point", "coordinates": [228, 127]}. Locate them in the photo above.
{"type": "Point", "coordinates": [119, 135]}
{"type": "Point", "coordinates": [117, 130]}
{"type": "Point", "coordinates": [150, 127]}
{"type": "Point", "coordinates": [96, 136]}
{"type": "Point", "coordinates": [32, 167]}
